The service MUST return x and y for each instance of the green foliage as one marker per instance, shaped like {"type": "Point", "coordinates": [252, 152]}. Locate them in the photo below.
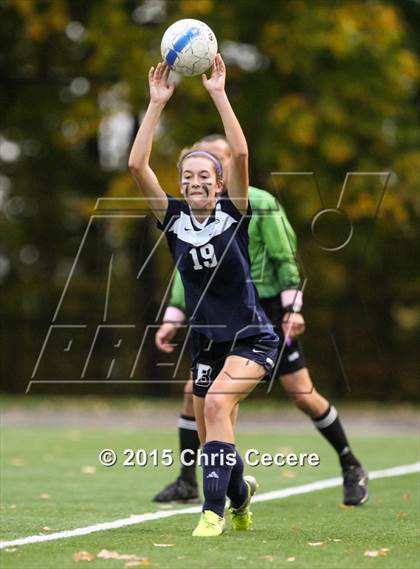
{"type": "Point", "coordinates": [334, 88]}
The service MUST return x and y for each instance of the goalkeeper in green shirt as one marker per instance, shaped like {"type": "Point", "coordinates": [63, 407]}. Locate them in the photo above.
{"type": "Point", "coordinates": [272, 247]}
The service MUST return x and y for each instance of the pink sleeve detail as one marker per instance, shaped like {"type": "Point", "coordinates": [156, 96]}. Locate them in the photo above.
{"type": "Point", "coordinates": [292, 297]}
{"type": "Point", "coordinates": [173, 314]}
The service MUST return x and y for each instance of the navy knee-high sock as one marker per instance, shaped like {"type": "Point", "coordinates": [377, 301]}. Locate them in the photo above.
{"type": "Point", "coordinates": [217, 470]}
{"type": "Point", "coordinates": [237, 490]}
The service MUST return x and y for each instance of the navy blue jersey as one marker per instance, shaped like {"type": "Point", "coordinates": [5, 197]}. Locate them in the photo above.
{"type": "Point", "coordinates": [212, 258]}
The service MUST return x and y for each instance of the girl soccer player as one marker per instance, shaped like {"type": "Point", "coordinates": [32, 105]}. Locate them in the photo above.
{"type": "Point", "coordinates": [233, 343]}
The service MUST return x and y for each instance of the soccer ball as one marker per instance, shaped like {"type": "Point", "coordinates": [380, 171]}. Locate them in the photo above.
{"type": "Point", "coordinates": [189, 47]}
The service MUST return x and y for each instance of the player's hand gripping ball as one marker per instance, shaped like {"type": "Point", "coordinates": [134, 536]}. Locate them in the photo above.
{"type": "Point", "coordinates": [189, 47]}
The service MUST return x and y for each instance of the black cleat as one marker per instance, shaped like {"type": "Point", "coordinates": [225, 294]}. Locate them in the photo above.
{"type": "Point", "coordinates": [355, 484]}
{"type": "Point", "coordinates": [179, 491]}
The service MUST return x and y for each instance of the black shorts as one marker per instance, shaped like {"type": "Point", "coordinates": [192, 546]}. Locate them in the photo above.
{"type": "Point", "coordinates": [292, 358]}
{"type": "Point", "coordinates": [209, 357]}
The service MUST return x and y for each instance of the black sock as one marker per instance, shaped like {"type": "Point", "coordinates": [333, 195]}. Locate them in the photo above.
{"type": "Point", "coordinates": [329, 425]}
{"type": "Point", "coordinates": [190, 443]}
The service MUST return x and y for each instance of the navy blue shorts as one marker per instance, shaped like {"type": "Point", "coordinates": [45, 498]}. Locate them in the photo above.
{"type": "Point", "coordinates": [209, 357]}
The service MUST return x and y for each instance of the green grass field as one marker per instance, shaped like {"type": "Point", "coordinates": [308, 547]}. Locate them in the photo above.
{"type": "Point", "coordinates": [52, 481]}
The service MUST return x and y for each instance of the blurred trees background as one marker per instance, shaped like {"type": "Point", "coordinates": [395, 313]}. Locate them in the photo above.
{"type": "Point", "coordinates": [326, 87]}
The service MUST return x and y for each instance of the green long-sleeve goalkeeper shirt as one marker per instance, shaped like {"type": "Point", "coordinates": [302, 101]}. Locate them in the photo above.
{"type": "Point", "coordinates": [272, 248]}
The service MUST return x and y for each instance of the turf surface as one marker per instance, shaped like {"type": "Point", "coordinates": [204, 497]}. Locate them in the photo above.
{"type": "Point", "coordinates": [51, 478]}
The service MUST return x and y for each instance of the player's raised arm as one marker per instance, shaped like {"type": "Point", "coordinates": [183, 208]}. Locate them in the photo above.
{"type": "Point", "coordinates": [160, 92]}
{"type": "Point", "coordinates": [238, 170]}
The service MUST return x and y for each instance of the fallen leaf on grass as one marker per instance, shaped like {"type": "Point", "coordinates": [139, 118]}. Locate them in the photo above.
{"type": "Point", "coordinates": [296, 527]}
{"type": "Point", "coordinates": [140, 563]}
{"type": "Point", "coordinates": [406, 497]}
{"type": "Point", "coordinates": [383, 552]}
{"type": "Point", "coordinates": [46, 528]}
{"type": "Point", "coordinates": [89, 469]}
{"type": "Point", "coordinates": [10, 549]}
{"type": "Point", "coordinates": [163, 544]}
{"type": "Point", "coordinates": [290, 559]}
{"type": "Point", "coordinates": [336, 540]}
{"type": "Point", "coordinates": [17, 461]}
{"type": "Point", "coordinates": [106, 554]}
{"type": "Point", "coordinates": [83, 556]}
{"type": "Point", "coordinates": [288, 473]}
{"type": "Point", "coordinates": [45, 496]}
{"type": "Point", "coordinates": [401, 515]}
{"type": "Point", "coordinates": [268, 557]}
{"type": "Point", "coordinates": [315, 543]}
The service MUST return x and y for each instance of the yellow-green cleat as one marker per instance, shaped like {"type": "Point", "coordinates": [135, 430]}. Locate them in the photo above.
{"type": "Point", "coordinates": [242, 517]}
{"type": "Point", "coordinates": [210, 525]}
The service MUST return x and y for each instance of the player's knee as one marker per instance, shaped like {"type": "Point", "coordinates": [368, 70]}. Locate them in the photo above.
{"type": "Point", "coordinates": [301, 401]}
{"type": "Point", "coordinates": [215, 407]}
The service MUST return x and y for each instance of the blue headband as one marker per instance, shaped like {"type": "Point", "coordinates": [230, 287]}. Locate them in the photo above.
{"type": "Point", "coordinates": [216, 162]}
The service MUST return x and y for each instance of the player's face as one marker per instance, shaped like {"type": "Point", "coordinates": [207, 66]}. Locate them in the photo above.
{"type": "Point", "coordinates": [199, 183]}
{"type": "Point", "coordinates": [221, 149]}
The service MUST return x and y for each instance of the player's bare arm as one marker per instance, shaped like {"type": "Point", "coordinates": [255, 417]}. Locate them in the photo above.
{"type": "Point", "coordinates": [161, 90]}
{"type": "Point", "coordinates": [238, 176]}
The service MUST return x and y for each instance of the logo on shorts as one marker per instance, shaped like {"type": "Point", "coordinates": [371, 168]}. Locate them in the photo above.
{"type": "Point", "coordinates": [270, 362]}
{"type": "Point", "coordinates": [293, 356]}
{"type": "Point", "coordinates": [203, 375]}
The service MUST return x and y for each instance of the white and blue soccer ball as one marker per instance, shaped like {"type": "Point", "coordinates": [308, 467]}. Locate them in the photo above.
{"type": "Point", "coordinates": [189, 47]}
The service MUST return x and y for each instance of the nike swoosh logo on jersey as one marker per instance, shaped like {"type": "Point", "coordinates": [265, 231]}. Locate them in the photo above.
{"type": "Point", "coordinates": [182, 227]}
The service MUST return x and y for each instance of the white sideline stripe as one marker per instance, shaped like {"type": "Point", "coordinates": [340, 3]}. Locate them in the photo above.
{"type": "Point", "coordinates": [333, 482]}
{"type": "Point", "coordinates": [265, 497]}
